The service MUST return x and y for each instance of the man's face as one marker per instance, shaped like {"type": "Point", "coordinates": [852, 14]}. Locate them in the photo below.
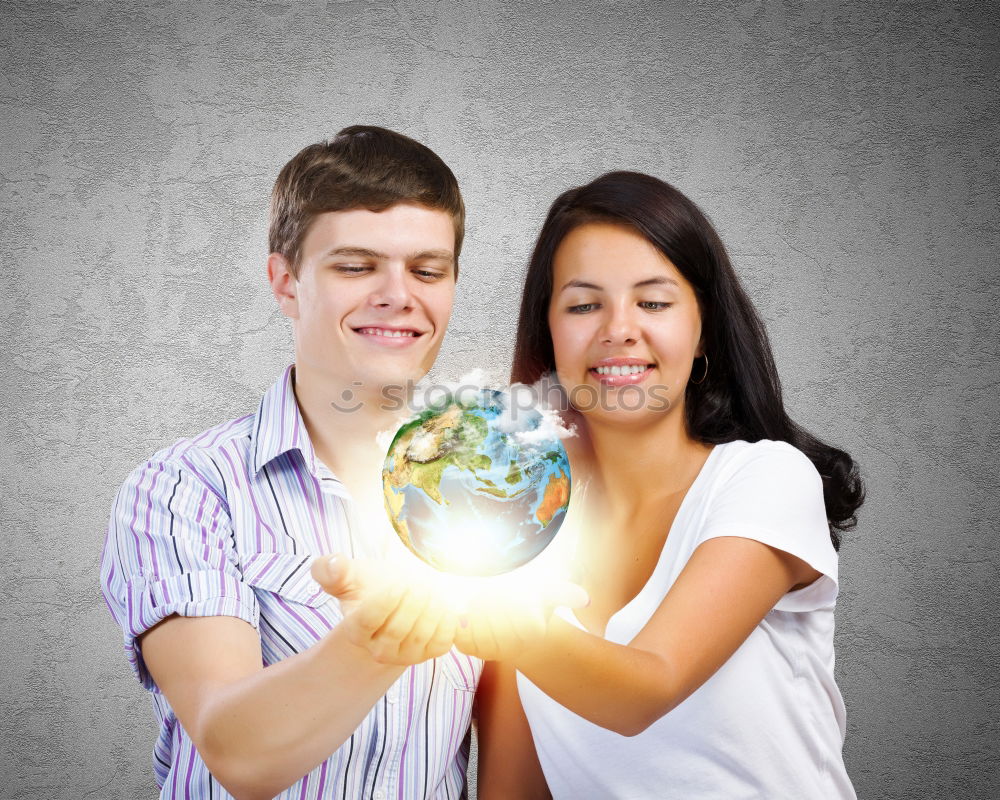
{"type": "Point", "coordinates": [373, 295]}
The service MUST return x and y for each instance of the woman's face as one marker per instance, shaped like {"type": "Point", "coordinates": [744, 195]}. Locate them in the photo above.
{"type": "Point", "coordinates": [625, 325]}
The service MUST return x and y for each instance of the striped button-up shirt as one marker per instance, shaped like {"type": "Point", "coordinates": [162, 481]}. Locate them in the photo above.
{"type": "Point", "coordinates": [227, 524]}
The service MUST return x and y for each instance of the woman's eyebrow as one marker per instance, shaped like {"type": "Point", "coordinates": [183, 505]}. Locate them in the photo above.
{"type": "Point", "coordinates": [657, 281]}
{"type": "Point", "coordinates": [574, 284]}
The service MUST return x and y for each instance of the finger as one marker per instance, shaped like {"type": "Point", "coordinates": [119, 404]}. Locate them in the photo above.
{"type": "Point", "coordinates": [445, 635]}
{"type": "Point", "coordinates": [415, 646]}
{"type": "Point", "coordinates": [423, 627]}
{"type": "Point", "coordinates": [376, 610]}
{"type": "Point", "coordinates": [480, 633]}
{"type": "Point", "coordinates": [335, 574]}
{"type": "Point", "coordinates": [401, 622]}
{"type": "Point", "coordinates": [505, 637]}
{"type": "Point", "coordinates": [483, 641]}
{"type": "Point", "coordinates": [463, 635]}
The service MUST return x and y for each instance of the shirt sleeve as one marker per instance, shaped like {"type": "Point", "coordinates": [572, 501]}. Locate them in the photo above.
{"type": "Point", "coordinates": [774, 495]}
{"type": "Point", "coordinates": [170, 550]}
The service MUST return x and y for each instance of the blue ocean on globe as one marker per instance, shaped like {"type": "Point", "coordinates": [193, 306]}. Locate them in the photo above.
{"type": "Point", "coordinates": [476, 486]}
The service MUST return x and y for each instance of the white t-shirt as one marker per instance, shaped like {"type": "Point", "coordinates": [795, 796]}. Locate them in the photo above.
{"type": "Point", "coordinates": [770, 723]}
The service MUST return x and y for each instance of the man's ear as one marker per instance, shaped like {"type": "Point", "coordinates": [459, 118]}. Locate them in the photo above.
{"type": "Point", "coordinates": [283, 285]}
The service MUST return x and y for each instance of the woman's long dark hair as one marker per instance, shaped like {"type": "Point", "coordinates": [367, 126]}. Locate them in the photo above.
{"type": "Point", "coordinates": [740, 397]}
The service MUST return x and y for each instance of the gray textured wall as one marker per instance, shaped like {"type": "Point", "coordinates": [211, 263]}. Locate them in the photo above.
{"type": "Point", "coordinates": [847, 152]}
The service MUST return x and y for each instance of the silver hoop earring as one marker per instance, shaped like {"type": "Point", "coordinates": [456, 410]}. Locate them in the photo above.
{"type": "Point", "coordinates": [705, 373]}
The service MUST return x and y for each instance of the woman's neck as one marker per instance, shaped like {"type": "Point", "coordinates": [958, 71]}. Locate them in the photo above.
{"type": "Point", "coordinates": [645, 463]}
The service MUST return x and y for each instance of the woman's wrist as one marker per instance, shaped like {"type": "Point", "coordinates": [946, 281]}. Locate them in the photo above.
{"type": "Point", "coordinates": [537, 652]}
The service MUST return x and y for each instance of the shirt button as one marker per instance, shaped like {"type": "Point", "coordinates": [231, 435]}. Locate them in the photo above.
{"type": "Point", "coordinates": [392, 696]}
{"type": "Point", "coordinates": [379, 794]}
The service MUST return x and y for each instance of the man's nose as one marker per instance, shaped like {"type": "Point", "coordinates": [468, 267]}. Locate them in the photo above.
{"type": "Point", "coordinates": [392, 290]}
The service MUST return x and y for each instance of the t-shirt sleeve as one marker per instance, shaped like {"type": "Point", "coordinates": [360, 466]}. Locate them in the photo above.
{"type": "Point", "coordinates": [774, 495]}
{"type": "Point", "coordinates": [169, 550]}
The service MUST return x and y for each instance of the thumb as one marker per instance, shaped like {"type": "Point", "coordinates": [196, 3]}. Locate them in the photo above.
{"type": "Point", "coordinates": [337, 575]}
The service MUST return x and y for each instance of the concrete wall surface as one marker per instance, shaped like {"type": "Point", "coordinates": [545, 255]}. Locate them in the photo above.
{"type": "Point", "coordinates": [846, 151]}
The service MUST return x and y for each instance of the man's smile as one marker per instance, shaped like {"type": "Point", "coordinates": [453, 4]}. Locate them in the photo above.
{"type": "Point", "coordinates": [389, 336]}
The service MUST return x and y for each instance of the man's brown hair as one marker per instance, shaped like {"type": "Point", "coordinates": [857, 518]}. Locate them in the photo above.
{"type": "Point", "coordinates": [363, 166]}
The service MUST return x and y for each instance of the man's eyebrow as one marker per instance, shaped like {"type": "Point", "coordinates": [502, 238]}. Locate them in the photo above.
{"type": "Point", "coordinates": [362, 252]}
{"type": "Point", "coordinates": [365, 252]}
{"type": "Point", "coordinates": [440, 255]}
{"type": "Point", "coordinates": [658, 281]}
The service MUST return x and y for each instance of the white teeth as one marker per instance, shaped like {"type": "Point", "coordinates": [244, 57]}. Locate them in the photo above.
{"type": "Point", "coordinates": [388, 334]}
{"type": "Point", "coordinates": [633, 369]}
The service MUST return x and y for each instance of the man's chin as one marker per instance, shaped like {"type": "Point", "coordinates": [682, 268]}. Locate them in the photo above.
{"type": "Point", "coordinates": [382, 381]}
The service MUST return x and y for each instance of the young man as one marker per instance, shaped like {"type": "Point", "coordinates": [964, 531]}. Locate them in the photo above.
{"type": "Point", "coordinates": [263, 683]}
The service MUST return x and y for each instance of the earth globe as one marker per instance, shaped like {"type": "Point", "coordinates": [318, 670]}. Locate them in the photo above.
{"type": "Point", "coordinates": [474, 485]}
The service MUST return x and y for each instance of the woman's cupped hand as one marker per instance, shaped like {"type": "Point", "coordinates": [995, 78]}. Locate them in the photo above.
{"type": "Point", "coordinates": [508, 617]}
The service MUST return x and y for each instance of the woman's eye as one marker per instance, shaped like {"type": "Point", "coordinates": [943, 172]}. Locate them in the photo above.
{"type": "Point", "coordinates": [583, 308]}
{"type": "Point", "coordinates": [654, 305]}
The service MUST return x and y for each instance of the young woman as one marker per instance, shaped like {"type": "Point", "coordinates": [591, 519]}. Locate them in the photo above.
{"type": "Point", "coordinates": [703, 666]}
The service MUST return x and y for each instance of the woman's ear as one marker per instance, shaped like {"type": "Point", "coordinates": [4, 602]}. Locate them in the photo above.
{"type": "Point", "coordinates": [284, 285]}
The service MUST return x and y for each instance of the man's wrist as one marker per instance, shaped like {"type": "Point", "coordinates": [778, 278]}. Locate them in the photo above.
{"type": "Point", "coordinates": [337, 645]}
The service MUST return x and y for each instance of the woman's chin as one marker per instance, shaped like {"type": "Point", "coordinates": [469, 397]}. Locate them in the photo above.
{"type": "Point", "coordinates": [628, 416]}
{"type": "Point", "coordinates": [621, 405]}
{"type": "Point", "coordinates": [623, 417]}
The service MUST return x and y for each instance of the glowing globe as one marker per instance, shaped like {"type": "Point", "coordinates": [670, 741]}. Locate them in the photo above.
{"type": "Point", "coordinates": [475, 486]}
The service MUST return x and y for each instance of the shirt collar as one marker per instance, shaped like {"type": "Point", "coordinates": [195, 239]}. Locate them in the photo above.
{"type": "Point", "coordinates": [278, 426]}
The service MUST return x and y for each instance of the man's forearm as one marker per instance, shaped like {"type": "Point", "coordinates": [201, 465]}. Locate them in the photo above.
{"type": "Point", "coordinates": [262, 733]}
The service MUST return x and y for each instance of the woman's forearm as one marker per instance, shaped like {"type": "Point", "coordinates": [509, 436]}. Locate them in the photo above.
{"type": "Point", "coordinates": [621, 688]}
{"type": "Point", "coordinates": [262, 733]}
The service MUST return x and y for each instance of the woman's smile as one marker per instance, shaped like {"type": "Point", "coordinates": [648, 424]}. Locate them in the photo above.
{"type": "Point", "coordinates": [621, 371]}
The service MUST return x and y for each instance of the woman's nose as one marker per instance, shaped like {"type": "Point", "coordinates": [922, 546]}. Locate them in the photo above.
{"type": "Point", "coordinates": [619, 327]}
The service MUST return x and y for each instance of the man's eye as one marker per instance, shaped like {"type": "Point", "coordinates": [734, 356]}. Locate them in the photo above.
{"type": "Point", "coordinates": [352, 269]}
{"type": "Point", "coordinates": [582, 308]}
{"type": "Point", "coordinates": [428, 274]}
{"type": "Point", "coordinates": [654, 305]}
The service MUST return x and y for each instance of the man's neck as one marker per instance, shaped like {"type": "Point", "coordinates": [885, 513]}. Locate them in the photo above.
{"type": "Point", "coordinates": [344, 430]}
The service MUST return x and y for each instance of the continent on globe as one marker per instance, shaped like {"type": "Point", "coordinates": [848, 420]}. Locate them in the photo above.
{"type": "Point", "coordinates": [556, 498]}
{"type": "Point", "coordinates": [475, 486]}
